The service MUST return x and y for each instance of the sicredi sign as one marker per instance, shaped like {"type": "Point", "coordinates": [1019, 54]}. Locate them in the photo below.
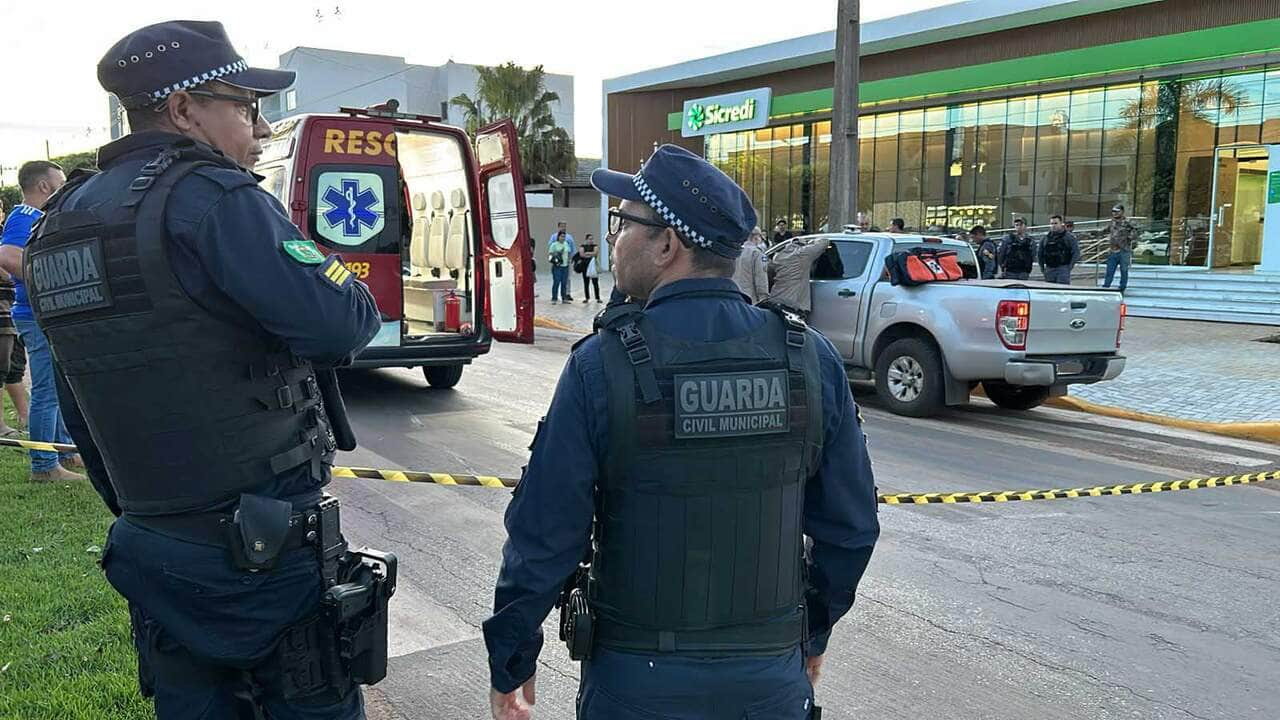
{"type": "Point", "coordinates": [745, 110]}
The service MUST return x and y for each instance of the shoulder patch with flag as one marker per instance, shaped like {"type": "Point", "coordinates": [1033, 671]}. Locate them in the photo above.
{"type": "Point", "coordinates": [304, 251]}
{"type": "Point", "coordinates": [335, 273]}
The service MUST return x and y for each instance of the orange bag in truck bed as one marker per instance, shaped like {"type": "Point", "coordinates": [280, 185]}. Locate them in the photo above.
{"type": "Point", "coordinates": [921, 265]}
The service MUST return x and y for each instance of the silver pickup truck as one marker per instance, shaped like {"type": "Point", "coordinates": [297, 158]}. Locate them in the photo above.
{"type": "Point", "coordinates": [930, 345]}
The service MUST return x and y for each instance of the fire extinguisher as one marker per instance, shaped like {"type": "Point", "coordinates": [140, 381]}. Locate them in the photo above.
{"type": "Point", "coordinates": [452, 312]}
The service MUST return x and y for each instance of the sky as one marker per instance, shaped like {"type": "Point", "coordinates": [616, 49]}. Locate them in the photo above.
{"type": "Point", "coordinates": [51, 96]}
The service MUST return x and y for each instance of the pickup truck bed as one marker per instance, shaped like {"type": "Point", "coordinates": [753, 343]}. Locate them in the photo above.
{"type": "Point", "coordinates": [930, 345]}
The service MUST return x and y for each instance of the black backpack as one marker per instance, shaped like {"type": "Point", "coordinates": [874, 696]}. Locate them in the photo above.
{"type": "Point", "coordinates": [1057, 251]}
{"type": "Point", "coordinates": [1021, 256]}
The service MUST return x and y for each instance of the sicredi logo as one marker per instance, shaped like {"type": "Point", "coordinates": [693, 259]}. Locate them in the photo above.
{"type": "Point", "coordinates": [726, 113]}
{"type": "Point", "coordinates": [719, 114]}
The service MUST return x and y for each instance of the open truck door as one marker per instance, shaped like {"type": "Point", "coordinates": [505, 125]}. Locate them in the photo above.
{"type": "Point", "coordinates": [507, 255]}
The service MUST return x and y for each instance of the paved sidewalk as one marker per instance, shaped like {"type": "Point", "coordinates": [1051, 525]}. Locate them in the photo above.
{"type": "Point", "coordinates": [577, 314]}
{"type": "Point", "coordinates": [1210, 372]}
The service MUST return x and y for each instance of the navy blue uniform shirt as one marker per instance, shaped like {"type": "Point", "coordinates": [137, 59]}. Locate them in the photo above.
{"type": "Point", "coordinates": [549, 519]}
{"type": "Point", "coordinates": [225, 249]}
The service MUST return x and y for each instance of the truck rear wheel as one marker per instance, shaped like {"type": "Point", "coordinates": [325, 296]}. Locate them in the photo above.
{"type": "Point", "coordinates": [442, 377]}
{"type": "Point", "coordinates": [1015, 397]}
{"type": "Point", "coordinates": [909, 378]}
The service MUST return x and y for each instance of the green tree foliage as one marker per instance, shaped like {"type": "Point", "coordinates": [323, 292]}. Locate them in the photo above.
{"type": "Point", "coordinates": [75, 161]}
{"type": "Point", "coordinates": [510, 91]}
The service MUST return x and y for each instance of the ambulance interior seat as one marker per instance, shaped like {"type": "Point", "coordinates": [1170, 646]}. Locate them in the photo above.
{"type": "Point", "coordinates": [455, 247]}
{"type": "Point", "coordinates": [418, 238]}
{"type": "Point", "coordinates": [437, 235]}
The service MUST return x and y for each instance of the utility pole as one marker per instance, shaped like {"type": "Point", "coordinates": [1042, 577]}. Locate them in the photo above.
{"type": "Point", "coordinates": [844, 120]}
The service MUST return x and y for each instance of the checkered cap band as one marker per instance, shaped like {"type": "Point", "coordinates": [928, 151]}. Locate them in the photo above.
{"type": "Point", "coordinates": [231, 69]}
{"type": "Point", "coordinates": [652, 200]}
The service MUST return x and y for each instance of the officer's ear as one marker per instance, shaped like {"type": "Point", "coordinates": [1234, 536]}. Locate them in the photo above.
{"type": "Point", "coordinates": [180, 109]}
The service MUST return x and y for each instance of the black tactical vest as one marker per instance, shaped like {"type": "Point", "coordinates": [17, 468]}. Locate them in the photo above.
{"type": "Point", "coordinates": [188, 410]}
{"type": "Point", "coordinates": [698, 544]}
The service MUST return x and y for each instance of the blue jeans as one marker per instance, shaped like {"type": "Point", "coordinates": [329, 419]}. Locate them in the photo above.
{"type": "Point", "coordinates": [559, 282]}
{"type": "Point", "coordinates": [197, 619]}
{"type": "Point", "coordinates": [625, 686]}
{"type": "Point", "coordinates": [1122, 259]}
{"type": "Point", "coordinates": [46, 417]}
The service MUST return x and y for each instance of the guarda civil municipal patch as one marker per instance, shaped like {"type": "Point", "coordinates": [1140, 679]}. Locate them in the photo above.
{"type": "Point", "coordinates": [69, 279]}
{"type": "Point", "coordinates": [731, 404]}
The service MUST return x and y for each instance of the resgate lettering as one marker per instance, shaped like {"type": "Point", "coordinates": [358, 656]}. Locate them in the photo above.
{"type": "Point", "coordinates": [359, 142]}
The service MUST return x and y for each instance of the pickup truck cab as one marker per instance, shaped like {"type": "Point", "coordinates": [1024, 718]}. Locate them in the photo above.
{"type": "Point", "coordinates": [931, 345]}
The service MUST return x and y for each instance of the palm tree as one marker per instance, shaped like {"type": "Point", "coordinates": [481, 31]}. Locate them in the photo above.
{"type": "Point", "coordinates": [510, 91]}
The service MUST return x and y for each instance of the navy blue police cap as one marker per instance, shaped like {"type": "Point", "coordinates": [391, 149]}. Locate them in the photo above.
{"type": "Point", "coordinates": [689, 194]}
{"type": "Point", "coordinates": [148, 65]}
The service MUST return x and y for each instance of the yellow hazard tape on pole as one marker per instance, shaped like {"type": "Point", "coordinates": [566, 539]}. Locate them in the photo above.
{"type": "Point", "coordinates": [932, 498]}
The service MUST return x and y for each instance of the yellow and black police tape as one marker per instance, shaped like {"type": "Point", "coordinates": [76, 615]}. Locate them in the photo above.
{"type": "Point", "coordinates": [893, 499]}
{"type": "Point", "coordinates": [931, 498]}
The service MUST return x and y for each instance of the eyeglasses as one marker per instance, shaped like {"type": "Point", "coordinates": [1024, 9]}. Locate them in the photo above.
{"type": "Point", "coordinates": [616, 217]}
{"type": "Point", "coordinates": [250, 104]}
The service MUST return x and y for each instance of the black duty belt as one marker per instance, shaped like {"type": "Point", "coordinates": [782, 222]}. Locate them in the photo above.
{"type": "Point", "coordinates": [769, 638]}
{"type": "Point", "coordinates": [215, 528]}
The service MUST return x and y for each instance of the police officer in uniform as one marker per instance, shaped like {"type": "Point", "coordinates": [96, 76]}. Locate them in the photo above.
{"type": "Point", "coordinates": [188, 318]}
{"type": "Point", "coordinates": [691, 447]}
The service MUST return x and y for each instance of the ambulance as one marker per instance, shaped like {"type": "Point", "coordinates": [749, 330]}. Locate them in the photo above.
{"type": "Point", "coordinates": [433, 221]}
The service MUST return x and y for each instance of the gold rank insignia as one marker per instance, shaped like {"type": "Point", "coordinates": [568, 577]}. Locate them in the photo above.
{"type": "Point", "coordinates": [335, 273]}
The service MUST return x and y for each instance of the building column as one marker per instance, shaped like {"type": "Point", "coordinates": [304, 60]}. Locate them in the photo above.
{"type": "Point", "coordinates": [1271, 219]}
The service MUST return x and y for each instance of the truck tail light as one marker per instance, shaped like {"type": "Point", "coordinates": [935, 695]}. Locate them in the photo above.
{"type": "Point", "coordinates": [1124, 313]}
{"type": "Point", "coordinates": [1013, 317]}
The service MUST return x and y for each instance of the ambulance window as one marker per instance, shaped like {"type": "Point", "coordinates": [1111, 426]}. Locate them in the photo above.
{"type": "Point", "coordinates": [356, 208]}
{"type": "Point", "coordinates": [502, 210]}
{"type": "Point", "coordinates": [273, 182]}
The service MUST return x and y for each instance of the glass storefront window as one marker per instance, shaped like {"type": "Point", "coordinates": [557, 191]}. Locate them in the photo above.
{"type": "Point", "coordinates": [1148, 145]}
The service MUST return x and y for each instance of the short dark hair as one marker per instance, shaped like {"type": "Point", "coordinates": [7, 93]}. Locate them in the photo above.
{"type": "Point", "coordinates": [588, 236]}
{"type": "Point", "coordinates": [898, 222]}
{"type": "Point", "coordinates": [977, 230]}
{"type": "Point", "coordinates": [1054, 217]}
{"type": "Point", "coordinates": [1019, 221]}
{"type": "Point", "coordinates": [32, 172]}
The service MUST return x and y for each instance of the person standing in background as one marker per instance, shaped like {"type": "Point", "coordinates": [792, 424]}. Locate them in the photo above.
{"type": "Point", "coordinates": [781, 232]}
{"type": "Point", "coordinates": [38, 179]}
{"type": "Point", "coordinates": [986, 248]}
{"type": "Point", "coordinates": [558, 256]}
{"type": "Point", "coordinates": [752, 271]}
{"type": "Point", "coordinates": [1121, 235]}
{"type": "Point", "coordinates": [1059, 252]}
{"type": "Point", "coordinates": [587, 253]}
{"type": "Point", "coordinates": [1017, 254]}
{"type": "Point", "coordinates": [562, 228]}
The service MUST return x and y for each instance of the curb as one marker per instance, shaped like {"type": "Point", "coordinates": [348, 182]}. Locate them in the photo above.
{"type": "Point", "coordinates": [1264, 431]}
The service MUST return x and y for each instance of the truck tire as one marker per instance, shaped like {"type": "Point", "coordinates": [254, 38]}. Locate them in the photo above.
{"type": "Point", "coordinates": [442, 377]}
{"type": "Point", "coordinates": [909, 378]}
{"type": "Point", "coordinates": [1015, 397]}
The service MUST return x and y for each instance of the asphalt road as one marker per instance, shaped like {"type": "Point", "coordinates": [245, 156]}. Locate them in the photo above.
{"type": "Point", "coordinates": [1151, 606]}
